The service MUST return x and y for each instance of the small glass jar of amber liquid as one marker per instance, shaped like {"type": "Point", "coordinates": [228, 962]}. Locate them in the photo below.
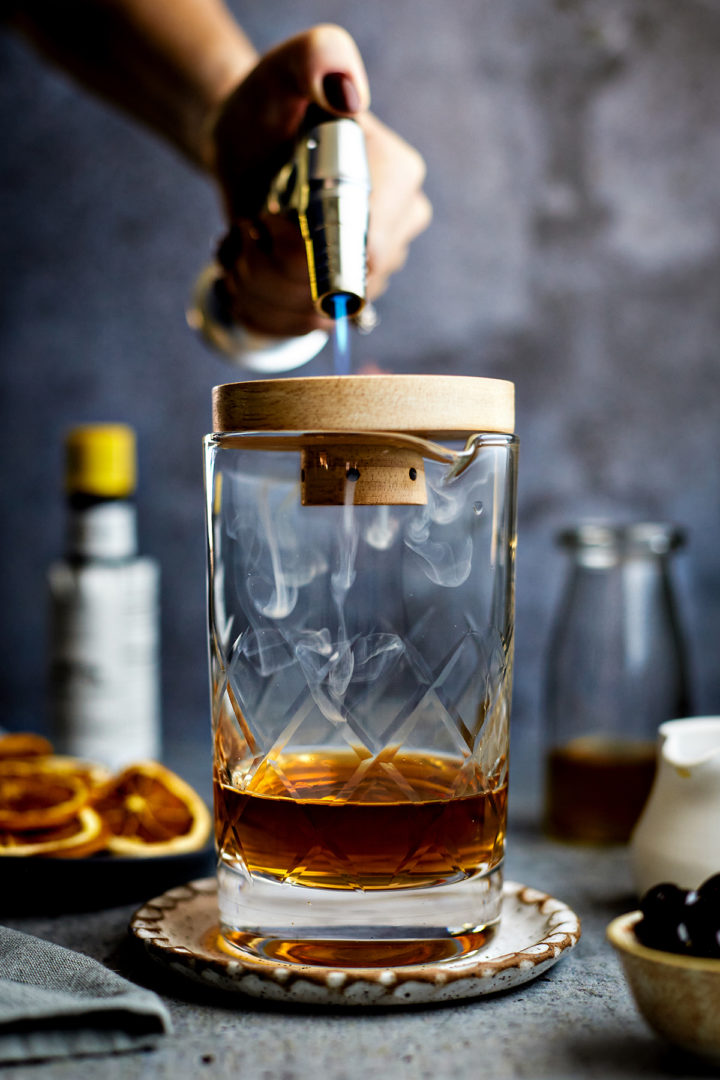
{"type": "Point", "coordinates": [616, 670]}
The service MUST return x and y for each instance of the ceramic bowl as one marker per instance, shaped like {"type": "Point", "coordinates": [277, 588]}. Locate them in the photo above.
{"type": "Point", "coordinates": [679, 996]}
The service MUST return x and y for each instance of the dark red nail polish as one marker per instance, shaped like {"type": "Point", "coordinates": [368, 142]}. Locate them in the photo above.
{"type": "Point", "coordinates": [340, 92]}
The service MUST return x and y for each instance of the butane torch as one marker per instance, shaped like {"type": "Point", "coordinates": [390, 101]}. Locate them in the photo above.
{"type": "Point", "coordinates": [326, 187]}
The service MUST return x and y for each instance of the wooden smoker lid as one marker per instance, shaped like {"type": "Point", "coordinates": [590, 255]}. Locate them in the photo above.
{"type": "Point", "coordinates": [450, 406]}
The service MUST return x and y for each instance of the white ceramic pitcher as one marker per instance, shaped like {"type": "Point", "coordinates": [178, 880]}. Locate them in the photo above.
{"type": "Point", "coordinates": [677, 838]}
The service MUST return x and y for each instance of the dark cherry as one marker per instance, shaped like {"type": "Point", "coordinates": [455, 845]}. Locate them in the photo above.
{"type": "Point", "coordinates": [662, 925]}
{"type": "Point", "coordinates": [702, 918]}
{"type": "Point", "coordinates": [710, 890]}
{"type": "Point", "coordinates": [682, 920]}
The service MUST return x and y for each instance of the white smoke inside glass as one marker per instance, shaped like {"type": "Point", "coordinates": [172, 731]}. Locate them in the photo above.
{"type": "Point", "coordinates": [294, 590]}
{"type": "Point", "coordinates": [446, 555]}
{"type": "Point", "coordinates": [382, 530]}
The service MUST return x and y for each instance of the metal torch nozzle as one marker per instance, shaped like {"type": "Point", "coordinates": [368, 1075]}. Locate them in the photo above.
{"type": "Point", "coordinates": [327, 183]}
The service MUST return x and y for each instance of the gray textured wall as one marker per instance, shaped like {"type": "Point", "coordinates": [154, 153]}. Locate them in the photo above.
{"type": "Point", "coordinates": [573, 152]}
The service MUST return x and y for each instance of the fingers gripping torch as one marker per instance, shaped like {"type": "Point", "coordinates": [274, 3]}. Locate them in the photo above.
{"type": "Point", "coordinates": [325, 186]}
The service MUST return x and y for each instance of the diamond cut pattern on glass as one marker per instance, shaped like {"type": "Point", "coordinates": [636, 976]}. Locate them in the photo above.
{"type": "Point", "coordinates": [392, 700]}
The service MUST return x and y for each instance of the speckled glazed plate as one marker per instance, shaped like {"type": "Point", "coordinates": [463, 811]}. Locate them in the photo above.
{"type": "Point", "coordinates": [179, 929]}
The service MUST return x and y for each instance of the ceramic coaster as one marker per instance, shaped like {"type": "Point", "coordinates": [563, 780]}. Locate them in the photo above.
{"type": "Point", "coordinates": [180, 930]}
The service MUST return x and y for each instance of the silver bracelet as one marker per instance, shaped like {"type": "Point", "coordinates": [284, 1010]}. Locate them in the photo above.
{"type": "Point", "coordinates": [263, 353]}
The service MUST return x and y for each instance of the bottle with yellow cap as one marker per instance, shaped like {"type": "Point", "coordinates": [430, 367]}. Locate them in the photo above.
{"type": "Point", "coordinates": [104, 676]}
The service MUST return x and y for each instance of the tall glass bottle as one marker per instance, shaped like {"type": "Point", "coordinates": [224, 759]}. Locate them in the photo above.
{"type": "Point", "coordinates": [104, 664]}
{"type": "Point", "coordinates": [616, 670]}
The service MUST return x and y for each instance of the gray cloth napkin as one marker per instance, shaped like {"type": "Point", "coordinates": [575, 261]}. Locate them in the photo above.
{"type": "Point", "coordinates": [58, 1003]}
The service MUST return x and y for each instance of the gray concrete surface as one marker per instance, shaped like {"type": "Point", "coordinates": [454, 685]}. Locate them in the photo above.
{"type": "Point", "coordinates": [577, 1021]}
{"type": "Point", "coordinates": [573, 155]}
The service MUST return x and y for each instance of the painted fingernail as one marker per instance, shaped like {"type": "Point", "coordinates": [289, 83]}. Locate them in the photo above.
{"type": "Point", "coordinates": [340, 92]}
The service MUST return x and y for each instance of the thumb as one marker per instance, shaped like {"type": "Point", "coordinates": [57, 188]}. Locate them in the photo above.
{"type": "Point", "coordinates": [257, 126]}
{"type": "Point", "coordinates": [329, 70]}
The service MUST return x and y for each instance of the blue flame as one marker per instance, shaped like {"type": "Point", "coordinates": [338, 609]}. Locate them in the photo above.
{"type": "Point", "coordinates": [341, 335]}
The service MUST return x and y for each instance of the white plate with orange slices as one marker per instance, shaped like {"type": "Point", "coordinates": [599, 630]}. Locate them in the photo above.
{"type": "Point", "coordinates": [73, 836]}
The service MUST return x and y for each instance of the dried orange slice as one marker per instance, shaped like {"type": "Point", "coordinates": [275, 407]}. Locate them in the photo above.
{"type": "Point", "coordinates": [44, 792]}
{"type": "Point", "coordinates": [35, 798]}
{"type": "Point", "coordinates": [82, 835]}
{"type": "Point", "coordinates": [23, 744]}
{"type": "Point", "coordinates": [90, 772]}
{"type": "Point", "coordinates": [149, 811]}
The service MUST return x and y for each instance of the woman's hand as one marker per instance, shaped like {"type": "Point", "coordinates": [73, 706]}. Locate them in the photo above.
{"type": "Point", "coordinates": [254, 135]}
